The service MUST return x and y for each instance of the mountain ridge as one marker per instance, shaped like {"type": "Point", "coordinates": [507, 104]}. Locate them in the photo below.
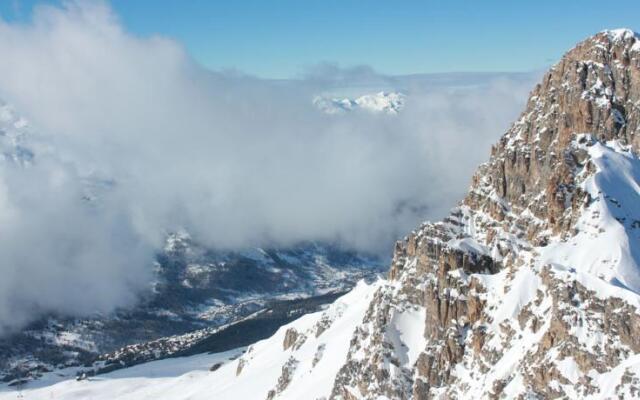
{"type": "Point", "coordinates": [531, 194]}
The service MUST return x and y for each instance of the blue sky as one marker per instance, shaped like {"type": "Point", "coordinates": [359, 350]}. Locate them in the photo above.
{"type": "Point", "coordinates": [281, 38]}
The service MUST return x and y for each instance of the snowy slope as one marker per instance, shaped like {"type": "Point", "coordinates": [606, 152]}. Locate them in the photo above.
{"type": "Point", "coordinates": [607, 232]}
{"type": "Point", "coordinates": [155, 380]}
{"type": "Point", "coordinates": [320, 348]}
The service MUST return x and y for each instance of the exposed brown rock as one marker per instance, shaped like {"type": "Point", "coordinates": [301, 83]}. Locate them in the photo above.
{"type": "Point", "coordinates": [290, 337]}
{"type": "Point", "coordinates": [284, 380]}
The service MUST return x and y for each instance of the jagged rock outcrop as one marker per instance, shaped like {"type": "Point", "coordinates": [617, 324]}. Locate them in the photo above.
{"type": "Point", "coordinates": [288, 370]}
{"type": "Point", "coordinates": [510, 310]}
{"type": "Point", "coordinates": [595, 88]}
{"type": "Point", "coordinates": [290, 337]}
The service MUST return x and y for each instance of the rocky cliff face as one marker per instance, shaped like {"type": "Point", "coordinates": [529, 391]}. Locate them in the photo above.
{"type": "Point", "coordinates": [530, 287]}
{"type": "Point", "coordinates": [594, 89]}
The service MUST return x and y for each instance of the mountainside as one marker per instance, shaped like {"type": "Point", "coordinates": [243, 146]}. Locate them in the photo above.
{"type": "Point", "coordinates": [529, 289]}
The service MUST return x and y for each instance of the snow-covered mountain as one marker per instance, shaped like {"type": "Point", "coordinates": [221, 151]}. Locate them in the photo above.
{"type": "Point", "coordinates": [528, 289]}
{"type": "Point", "coordinates": [380, 102]}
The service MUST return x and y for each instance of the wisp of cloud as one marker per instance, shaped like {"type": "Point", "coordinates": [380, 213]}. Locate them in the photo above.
{"type": "Point", "coordinates": [235, 160]}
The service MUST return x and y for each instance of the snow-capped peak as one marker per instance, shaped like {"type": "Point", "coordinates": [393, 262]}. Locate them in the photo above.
{"type": "Point", "coordinates": [380, 102]}
{"type": "Point", "coordinates": [620, 34]}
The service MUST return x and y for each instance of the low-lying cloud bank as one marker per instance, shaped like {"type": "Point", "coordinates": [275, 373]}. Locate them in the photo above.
{"type": "Point", "coordinates": [237, 161]}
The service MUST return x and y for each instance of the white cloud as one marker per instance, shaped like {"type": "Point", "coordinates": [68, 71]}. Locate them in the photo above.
{"type": "Point", "coordinates": [235, 160]}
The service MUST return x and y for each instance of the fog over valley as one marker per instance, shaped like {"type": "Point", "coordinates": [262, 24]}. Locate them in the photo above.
{"type": "Point", "coordinates": [112, 140]}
